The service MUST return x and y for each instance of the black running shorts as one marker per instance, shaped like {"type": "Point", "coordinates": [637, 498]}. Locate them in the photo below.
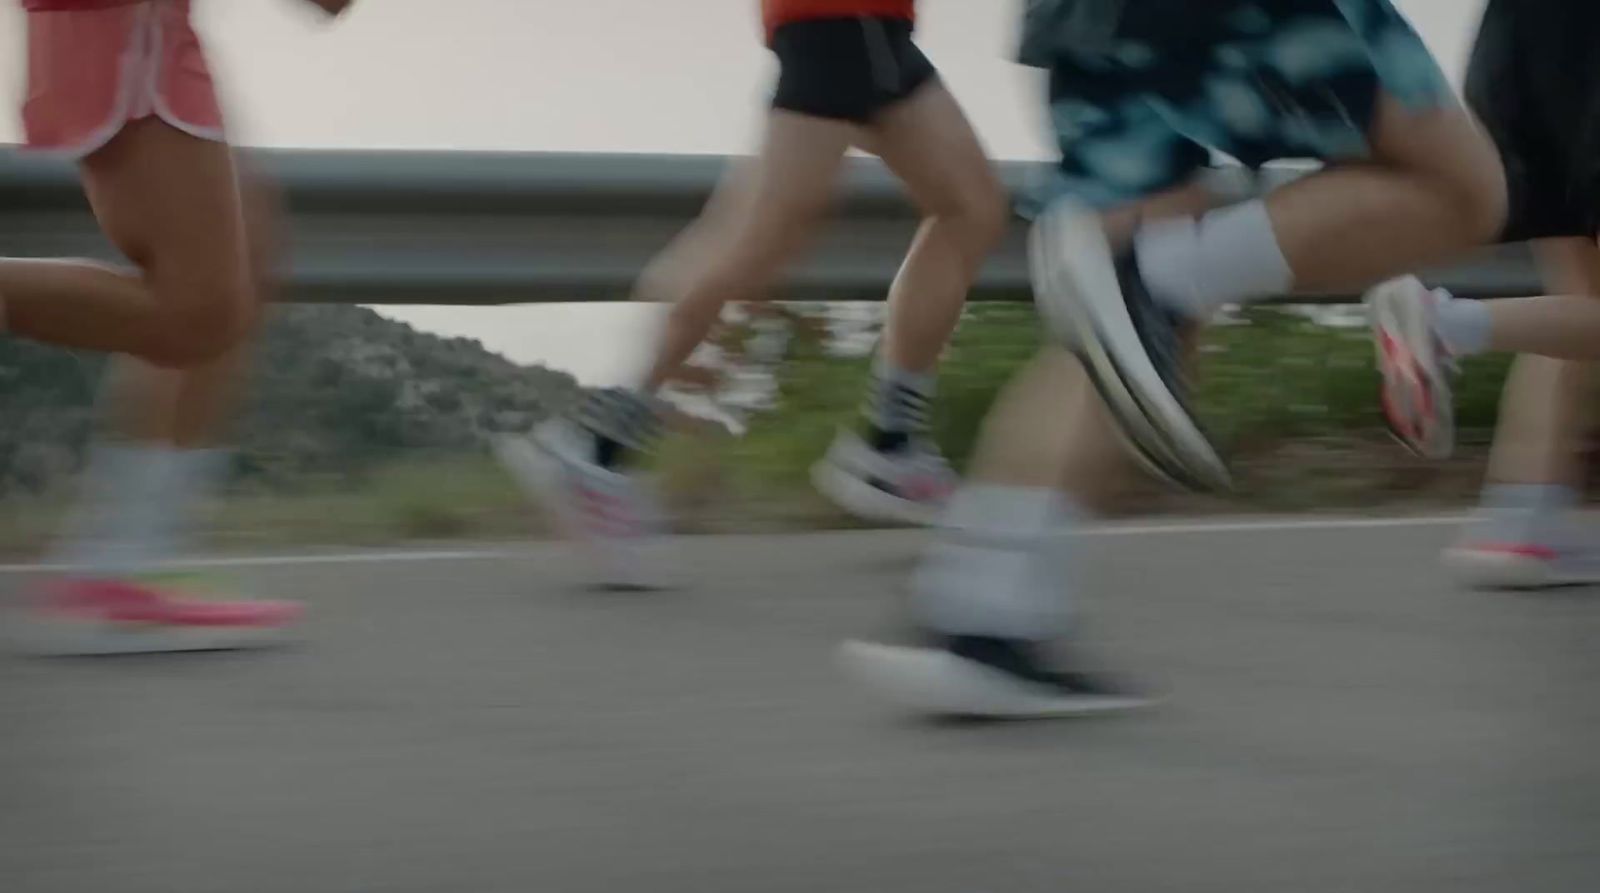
{"type": "Point", "coordinates": [847, 69]}
{"type": "Point", "coordinates": [1535, 83]}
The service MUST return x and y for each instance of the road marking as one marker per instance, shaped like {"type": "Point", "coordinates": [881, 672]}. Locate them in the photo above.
{"type": "Point", "coordinates": [373, 557]}
{"type": "Point", "coordinates": [1270, 526]}
{"type": "Point", "coordinates": [404, 556]}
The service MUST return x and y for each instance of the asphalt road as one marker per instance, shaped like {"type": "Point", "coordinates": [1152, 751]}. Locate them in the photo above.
{"type": "Point", "coordinates": [1340, 720]}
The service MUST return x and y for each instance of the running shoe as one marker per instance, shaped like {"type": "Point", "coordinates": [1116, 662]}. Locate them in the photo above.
{"type": "Point", "coordinates": [983, 677]}
{"type": "Point", "coordinates": [1520, 565]}
{"type": "Point", "coordinates": [906, 485]}
{"type": "Point", "coordinates": [1095, 303]}
{"type": "Point", "coordinates": [87, 616]}
{"type": "Point", "coordinates": [1523, 548]}
{"type": "Point", "coordinates": [1417, 401]}
{"type": "Point", "coordinates": [612, 511]}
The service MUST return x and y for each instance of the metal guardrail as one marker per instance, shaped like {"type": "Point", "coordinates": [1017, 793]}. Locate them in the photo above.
{"type": "Point", "coordinates": [490, 228]}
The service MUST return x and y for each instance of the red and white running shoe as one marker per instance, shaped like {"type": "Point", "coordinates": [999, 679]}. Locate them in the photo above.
{"type": "Point", "coordinates": [612, 511]}
{"type": "Point", "coordinates": [1487, 564]}
{"type": "Point", "coordinates": [1417, 400]}
{"type": "Point", "coordinates": [92, 616]}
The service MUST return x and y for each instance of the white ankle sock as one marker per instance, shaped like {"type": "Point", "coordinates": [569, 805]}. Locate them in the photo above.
{"type": "Point", "coordinates": [1228, 256]}
{"type": "Point", "coordinates": [1526, 513]}
{"type": "Point", "coordinates": [194, 474]}
{"type": "Point", "coordinates": [999, 567]}
{"type": "Point", "coordinates": [110, 534]}
{"type": "Point", "coordinates": [1463, 326]}
{"type": "Point", "coordinates": [135, 506]}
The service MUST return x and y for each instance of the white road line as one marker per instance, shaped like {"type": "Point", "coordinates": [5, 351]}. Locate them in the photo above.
{"type": "Point", "coordinates": [381, 556]}
{"type": "Point", "coordinates": [1270, 525]}
{"type": "Point", "coordinates": [373, 557]}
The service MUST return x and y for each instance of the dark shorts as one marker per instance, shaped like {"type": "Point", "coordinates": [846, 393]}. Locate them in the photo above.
{"type": "Point", "coordinates": [847, 69]}
{"type": "Point", "coordinates": [1535, 83]}
{"type": "Point", "coordinates": [1145, 98]}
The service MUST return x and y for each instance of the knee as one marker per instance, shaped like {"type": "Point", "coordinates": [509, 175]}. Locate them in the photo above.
{"type": "Point", "coordinates": [195, 333]}
{"type": "Point", "coordinates": [1478, 193]}
{"type": "Point", "coordinates": [1487, 204]}
{"type": "Point", "coordinates": [990, 213]}
{"type": "Point", "coordinates": [981, 215]}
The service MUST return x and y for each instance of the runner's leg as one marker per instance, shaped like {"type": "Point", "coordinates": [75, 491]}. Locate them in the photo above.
{"type": "Point", "coordinates": [170, 203]}
{"type": "Point", "coordinates": [1530, 85]}
{"type": "Point", "coordinates": [1522, 534]}
{"type": "Point", "coordinates": [758, 218]}
{"type": "Point", "coordinates": [166, 425]}
{"type": "Point", "coordinates": [892, 470]}
{"type": "Point", "coordinates": [1411, 180]}
{"type": "Point", "coordinates": [761, 218]}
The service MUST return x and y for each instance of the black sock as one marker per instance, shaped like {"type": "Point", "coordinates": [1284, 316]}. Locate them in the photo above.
{"type": "Point", "coordinates": [608, 454]}
{"type": "Point", "coordinates": [623, 423]}
{"type": "Point", "coordinates": [885, 441]}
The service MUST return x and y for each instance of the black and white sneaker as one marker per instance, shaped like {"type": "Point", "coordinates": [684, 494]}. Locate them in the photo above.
{"type": "Point", "coordinates": [983, 677]}
{"type": "Point", "coordinates": [908, 485]}
{"type": "Point", "coordinates": [1095, 303]}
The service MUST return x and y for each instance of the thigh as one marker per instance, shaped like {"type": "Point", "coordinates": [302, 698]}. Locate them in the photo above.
{"type": "Point", "coordinates": [765, 208]}
{"type": "Point", "coordinates": [170, 202]}
{"type": "Point", "coordinates": [928, 143]}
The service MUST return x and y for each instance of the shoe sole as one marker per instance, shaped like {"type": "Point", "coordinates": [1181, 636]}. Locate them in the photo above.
{"type": "Point", "coordinates": [1391, 306]}
{"type": "Point", "coordinates": [940, 684]}
{"type": "Point", "coordinates": [79, 638]}
{"type": "Point", "coordinates": [862, 500]}
{"type": "Point", "coordinates": [1483, 569]}
{"type": "Point", "coordinates": [1134, 430]}
{"type": "Point", "coordinates": [1072, 273]}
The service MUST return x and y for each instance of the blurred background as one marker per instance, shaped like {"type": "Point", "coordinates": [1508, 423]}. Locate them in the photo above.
{"type": "Point", "coordinates": [473, 184]}
{"type": "Point", "coordinates": [360, 401]}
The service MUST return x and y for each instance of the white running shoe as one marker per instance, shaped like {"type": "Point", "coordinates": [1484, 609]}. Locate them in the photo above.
{"type": "Point", "coordinates": [1095, 303]}
{"type": "Point", "coordinates": [1488, 565]}
{"type": "Point", "coordinates": [982, 677]}
{"type": "Point", "coordinates": [907, 486]}
{"type": "Point", "coordinates": [615, 513]}
{"type": "Point", "coordinates": [1418, 404]}
{"type": "Point", "coordinates": [1523, 549]}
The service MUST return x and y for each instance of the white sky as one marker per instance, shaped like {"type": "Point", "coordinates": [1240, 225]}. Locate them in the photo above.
{"type": "Point", "coordinates": [573, 75]}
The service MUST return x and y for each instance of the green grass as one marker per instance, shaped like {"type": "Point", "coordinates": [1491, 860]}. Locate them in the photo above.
{"type": "Point", "coordinates": [1292, 403]}
{"type": "Point", "coordinates": [437, 498]}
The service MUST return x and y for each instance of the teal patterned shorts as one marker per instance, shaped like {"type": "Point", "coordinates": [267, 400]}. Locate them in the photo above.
{"type": "Point", "coordinates": [1144, 93]}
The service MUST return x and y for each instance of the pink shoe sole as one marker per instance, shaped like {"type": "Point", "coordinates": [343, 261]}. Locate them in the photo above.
{"type": "Point", "coordinates": [102, 617]}
{"type": "Point", "coordinates": [1513, 566]}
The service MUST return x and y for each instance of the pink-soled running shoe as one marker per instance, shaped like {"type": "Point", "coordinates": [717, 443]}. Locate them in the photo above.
{"type": "Point", "coordinates": [82, 616]}
{"type": "Point", "coordinates": [1491, 564]}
